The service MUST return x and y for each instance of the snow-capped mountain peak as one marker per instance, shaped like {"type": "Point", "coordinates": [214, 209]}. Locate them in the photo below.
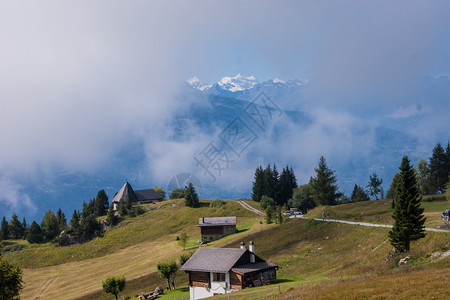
{"type": "Point", "coordinates": [237, 83]}
{"type": "Point", "coordinates": [196, 83]}
{"type": "Point", "coordinates": [278, 80]}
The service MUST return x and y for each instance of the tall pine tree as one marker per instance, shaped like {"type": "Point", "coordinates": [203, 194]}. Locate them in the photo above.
{"type": "Point", "coordinates": [75, 224]}
{"type": "Point", "coordinates": [287, 184]}
{"type": "Point", "coordinates": [258, 184]}
{"type": "Point", "coordinates": [408, 213]}
{"type": "Point", "coordinates": [438, 169]}
{"type": "Point", "coordinates": [359, 194]}
{"type": "Point", "coordinates": [15, 228]}
{"type": "Point", "coordinates": [324, 190]}
{"type": "Point", "coordinates": [4, 229]}
{"type": "Point", "coordinates": [101, 203]}
{"type": "Point", "coordinates": [191, 197]}
{"type": "Point", "coordinates": [62, 222]}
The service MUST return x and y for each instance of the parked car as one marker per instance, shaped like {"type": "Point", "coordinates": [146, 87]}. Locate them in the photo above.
{"type": "Point", "coordinates": [295, 212]}
{"type": "Point", "coordinates": [446, 215]}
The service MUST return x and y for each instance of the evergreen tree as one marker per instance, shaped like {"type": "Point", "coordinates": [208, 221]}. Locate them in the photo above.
{"type": "Point", "coordinates": [359, 194]}
{"type": "Point", "coordinates": [122, 208]}
{"type": "Point", "coordinates": [392, 189]}
{"type": "Point", "coordinates": [49, 226]}
{"type": "Point", "coordinates": [274, 184]}
{"type": "Point", "coordinates": [323, 186]}
{"type": "Point", "coordinates": [85, 210]}
{"type": "Point", "coordinates": [89, 227]}
{"type": "Point", "coordinates": [111, 217]}
{"type": "Point", "coordinates": [438, 169]}
{"type": "Point", "coordinates": [374, 185]}
{"type": "Point", "coordinates": [15, 228]}
{"type": "Point", "coordinates": [408, 213]}
{"type": "Point", "coordinates": [4, 229]}
{"type": "Point", "coordinates": [24, 227]}
{"type": "Point", "coordinates": [270, 212]}
{"type": "Point", "coordinates": [279, 219]}
{"type": "Point", "coordinates": [91, 207]}
{"type": "Point", "coordinates": [258, 184]}
{"type": "Point", "coordinates": [101, 203]}
{"type": "Point", "coordinates": [447, 159]}
{"type": "Point", "coordinates": [61, 218]}
{"type": "Point", "coordinates": [191, 197]}
{"type": "Point", "coordinates": [286, 186]}
{"type": "Point", "coordinates": [75, 224]}
{"type": "Point", "coordinates": [34, 233]}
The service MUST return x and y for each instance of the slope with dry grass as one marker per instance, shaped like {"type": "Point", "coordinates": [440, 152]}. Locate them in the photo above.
{"type": "Point", "coordinates": [315, 258]}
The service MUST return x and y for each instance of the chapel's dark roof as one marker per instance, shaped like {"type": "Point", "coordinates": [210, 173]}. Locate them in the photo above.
{"type": "Point", "coordinates": [149, 194]}
{"type": "Point", "coordinates": [125, 192]}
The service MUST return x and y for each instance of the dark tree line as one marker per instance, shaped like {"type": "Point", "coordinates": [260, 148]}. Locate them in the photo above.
{"type": "Point", "coordinates": [268, 182]}
{"type": "Point", "coordinates": [432, 177]}
{"type": "Point", "coordinates": [283, 189]}
{"type": "Point", "coordinates": [82, 226]}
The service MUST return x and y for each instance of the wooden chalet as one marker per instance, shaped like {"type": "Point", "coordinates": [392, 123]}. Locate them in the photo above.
{"type": "Point", "coordinates": [214, 271]}
{"type": "Point", "coordinates": [215, 228]}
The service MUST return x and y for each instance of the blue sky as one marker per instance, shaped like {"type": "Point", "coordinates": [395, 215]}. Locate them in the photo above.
{"type": "Point", "coordinates": [77, 79]}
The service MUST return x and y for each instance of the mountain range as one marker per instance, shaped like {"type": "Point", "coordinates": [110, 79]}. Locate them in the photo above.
{"type": "Point", "coordinates": [355, 141]}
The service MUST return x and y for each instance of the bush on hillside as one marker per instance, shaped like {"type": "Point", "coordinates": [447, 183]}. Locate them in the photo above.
{"type": "Point", "coordinates": [216, 203]}
{"type": "Point", "coordinates": [266, 201]}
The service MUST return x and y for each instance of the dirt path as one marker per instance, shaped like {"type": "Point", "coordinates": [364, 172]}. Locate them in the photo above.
{"type": "Point", "coordinates": [248, 207]}
{"type": "Point", "coordinates": [366, 224]}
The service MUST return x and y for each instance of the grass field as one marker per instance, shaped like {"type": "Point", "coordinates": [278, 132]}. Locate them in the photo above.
{"type": "Point", "coordinates": [380, 211]}
{"type": "Point", "coordinates": [316, 259]}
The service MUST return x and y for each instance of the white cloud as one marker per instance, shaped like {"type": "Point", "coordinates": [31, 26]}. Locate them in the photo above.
{"type": "Point", "coordinates": [79, 82]}
{"type": "Point", "coordinates": [407, 111]}
{"type": "Point", "coordinates": [13, 199]}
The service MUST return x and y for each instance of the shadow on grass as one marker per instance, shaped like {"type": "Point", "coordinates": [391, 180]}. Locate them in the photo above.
{"type": "Point", "coordinates": [283, 280]}
{"type": "Point", "coordinates": [289, 279]}
{"type": "Point", "coordinates": [183, 289]}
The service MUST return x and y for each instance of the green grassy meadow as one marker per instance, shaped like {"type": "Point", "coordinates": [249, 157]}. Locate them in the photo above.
{"type": "Point", "coordinates": [316, 259]}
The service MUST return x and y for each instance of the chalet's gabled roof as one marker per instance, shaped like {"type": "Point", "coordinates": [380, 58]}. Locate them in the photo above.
{"type": "Point", "coordinates": [124, 192]}
{"type": "Point", "coordinates": [217, 221]}
{"type": "Point", "coordinates": [149, 194]}
{"type": "Point", "coordinates": [222, 260]}
{"type": "Point", "coordinates": [217, 260]}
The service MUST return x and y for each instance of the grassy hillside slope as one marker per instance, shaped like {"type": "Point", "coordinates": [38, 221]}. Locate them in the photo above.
{"type": "Point", "coordinates": [320, 260]}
